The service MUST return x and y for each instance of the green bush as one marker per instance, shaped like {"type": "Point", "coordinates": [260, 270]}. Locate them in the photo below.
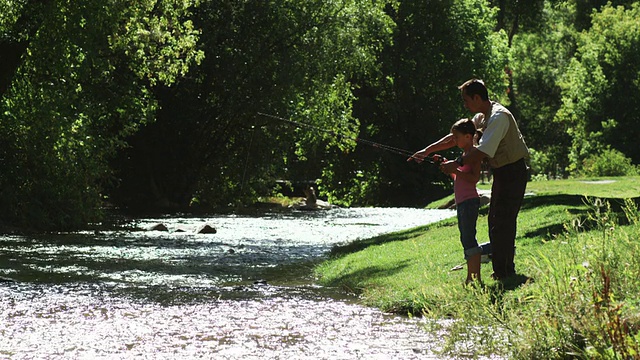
{"type": "Point", "coordinates": [548, 163]}
{"type": "Point", "coordinates": [609, 162]}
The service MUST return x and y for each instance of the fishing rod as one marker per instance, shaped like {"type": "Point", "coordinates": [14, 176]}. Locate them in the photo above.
{"type": "Point", "coordinates": [436, 159]}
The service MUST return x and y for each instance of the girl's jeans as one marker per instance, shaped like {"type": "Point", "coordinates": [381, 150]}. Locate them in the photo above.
{"type": "Point", "coordinates": [467, 219]}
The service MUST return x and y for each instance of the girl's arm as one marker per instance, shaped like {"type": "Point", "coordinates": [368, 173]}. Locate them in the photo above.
{"type": "Point", "coordinates": [471, 176]}
{"type": "Point", "coordinates": [446, 142]}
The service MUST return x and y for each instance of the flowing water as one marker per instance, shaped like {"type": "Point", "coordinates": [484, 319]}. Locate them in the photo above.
{"type": "Point", "coordinates": [245, 292]}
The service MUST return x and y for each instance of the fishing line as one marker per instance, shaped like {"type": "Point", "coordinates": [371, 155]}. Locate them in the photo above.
{"type": "Point", "coordinates": [246, 162]}
{"type": "Point", "coordinates": [388, 148]}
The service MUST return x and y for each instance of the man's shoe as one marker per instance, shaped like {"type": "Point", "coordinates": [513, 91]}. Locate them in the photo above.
{"type": "Point", "coordinates": [498, 277]}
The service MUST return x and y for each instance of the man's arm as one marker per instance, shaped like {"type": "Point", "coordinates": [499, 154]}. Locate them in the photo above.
{"type": "Point", "coordinates": [446, 142]}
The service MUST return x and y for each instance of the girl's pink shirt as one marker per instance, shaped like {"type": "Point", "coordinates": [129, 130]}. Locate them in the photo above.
{"type": "Point", "coordinates": [464, 190]}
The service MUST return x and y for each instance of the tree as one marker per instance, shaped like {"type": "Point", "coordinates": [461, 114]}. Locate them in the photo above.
{"type": "Point", "coordinates": [293, 59]}
{"type": "Point", "coordinates": [584, 10]}
{"type": "Point", "coordinates": [515, 16]}
{"type": "Point", "coordinates": [78, 81]}
{"type": "Point", "coordinates": [540, 56]}
{"type": "Point", "coordinates": [598, 106]}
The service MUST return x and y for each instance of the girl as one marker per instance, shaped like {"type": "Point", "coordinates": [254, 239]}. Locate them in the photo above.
{"type": "Point", "coordinates": [467, 199]}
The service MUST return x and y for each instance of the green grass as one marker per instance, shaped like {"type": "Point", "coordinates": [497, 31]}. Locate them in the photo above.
{"type": "Point", "coordinates": [582, 254]}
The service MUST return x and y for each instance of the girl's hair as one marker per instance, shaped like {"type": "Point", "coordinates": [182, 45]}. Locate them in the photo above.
{"type": "Point", "coordinates": [464, 126]}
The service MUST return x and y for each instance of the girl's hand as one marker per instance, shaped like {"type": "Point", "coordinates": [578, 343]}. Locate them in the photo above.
{"type": "Point", "coordinates": [438, 159]}
{"type": "Point", "coordinates": [449, 167]}
{"type": "Point", "coordinates": [418, 156]}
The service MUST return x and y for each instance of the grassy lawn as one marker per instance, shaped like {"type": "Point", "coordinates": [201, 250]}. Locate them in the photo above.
{"type": "Point", "coordinates": [577, 242]}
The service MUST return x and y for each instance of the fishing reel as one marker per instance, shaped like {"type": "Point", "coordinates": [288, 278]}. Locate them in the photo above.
{"type": "Point", "coordinates": [438, 159]}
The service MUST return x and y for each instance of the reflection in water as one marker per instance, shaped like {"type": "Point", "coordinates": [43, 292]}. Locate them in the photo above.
{"type": "Point", "coordinates": [244, 292]}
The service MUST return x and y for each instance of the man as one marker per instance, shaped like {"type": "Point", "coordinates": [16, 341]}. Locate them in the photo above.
{"type": "Point", "coordinates": [504, 147]}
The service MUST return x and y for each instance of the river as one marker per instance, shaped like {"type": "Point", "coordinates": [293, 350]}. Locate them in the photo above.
{"type": "Point", "coordinates": [245, 292]}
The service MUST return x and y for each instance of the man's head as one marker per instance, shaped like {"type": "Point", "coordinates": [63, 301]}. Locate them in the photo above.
{"type": "Point", "coordinates": [474, 93]}
{"type": "Point", "coordinates": [475, 87]}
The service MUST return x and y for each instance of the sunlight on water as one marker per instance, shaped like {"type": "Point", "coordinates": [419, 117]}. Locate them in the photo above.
{"type": "Point", "coordinates": [245, 292]}
{"type": "Point", "coordinates": [48, 322]}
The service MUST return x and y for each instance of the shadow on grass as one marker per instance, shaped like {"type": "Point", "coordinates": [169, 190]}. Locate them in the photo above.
{"type": "Point", "coordinates": [571, 201]}
{"type": "Point", "coordinates": [560, 199]}
{"type": "Point", "coordinates": [575, 206]}
{"type": "Point", "coordinates": [513, 282]}
{"type": "Point", "coordinates": [498, 289]}
{"type": "Point", "coordinates": [358, 245]}
{"type": "Point", "coordinates": [348, 280]}
{"type": "Point", "coordinates": [578, 206]}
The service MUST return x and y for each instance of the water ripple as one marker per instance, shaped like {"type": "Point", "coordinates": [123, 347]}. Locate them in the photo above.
{"type": "Point", "coordinates": [244, 292]}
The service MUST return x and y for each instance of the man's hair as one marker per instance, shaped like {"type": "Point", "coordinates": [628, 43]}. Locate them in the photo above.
{"type": "Point", "coordinates": [475, 87]}
{"type": "Point", "coordinates": [464, 126]}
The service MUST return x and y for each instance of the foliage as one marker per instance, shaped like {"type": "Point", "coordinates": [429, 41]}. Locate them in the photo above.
{"type": "Point", "coordinates": [609, 162]}
{"type": "Point", "coordinates": [292, 59]}
{"type": "Point", "coordinates": [81, 87]}
{"type": "Point", "coordinates": [538, 60]}
{"type": "Point", "coordinates": [596, 106]}
{"type": "Point", "coordinates": [517, 16]}
{"type": "Point", "coordinates": [584, 10]}
{"type": "Point", "coordinates": [355, 189]}
{"type": "Point", "coordinates": [542, 164]}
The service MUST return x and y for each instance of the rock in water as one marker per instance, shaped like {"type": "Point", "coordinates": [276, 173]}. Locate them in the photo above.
{"type": "Point", "coordinates": [206, 229]}
{"type": "Point", "coordinates": [159, 227]}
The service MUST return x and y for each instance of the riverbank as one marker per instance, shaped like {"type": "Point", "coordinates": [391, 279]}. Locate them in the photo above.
{"type": "Point", "coordinates": [578, 258]}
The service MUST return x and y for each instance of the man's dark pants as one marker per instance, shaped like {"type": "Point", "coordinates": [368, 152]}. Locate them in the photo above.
{"type": "Point", "coordinates": [507, 192]}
